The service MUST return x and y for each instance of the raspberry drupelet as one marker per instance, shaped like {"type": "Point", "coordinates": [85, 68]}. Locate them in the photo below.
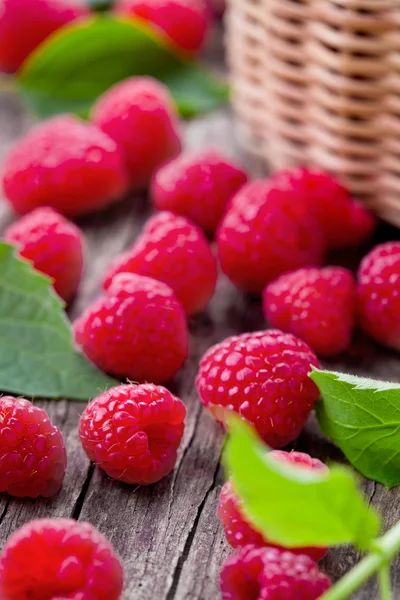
{"type": "Point", "coordinates": [24, 24]}
{"type": "Point", "coordinates": [379, 294]}
{"type": "Point", "coordinates": [67, 164]}
{"type": "Point", "coordinates": [59, 559]}
{"type": "Point", "coordinates": [198, 186]}
{"type": "Point", "coordinates": [133, 432]}
{"type": "Point", "coordinates": [138, 330]}
{"type": "Point", "coordinates": [175, 251]}
{"type": "Point", "coordinates": [343, 221]}
{"type": "Point", "coordinates": [184, 22]}
{"type": "Point", "coordinates": [262, 376]}
{"type": "Point", "coordinates": [317, 305]}
{"type": "Point", "coordinates": [33, 459]}
{"type": "Point", "coordinates": [140, 116]}
{"type": "Point", "coordinates": [271, 574]}
{"type": "Point", "coordinates": [266, 232]}
{"type": "Point", "coordinates": [239, 531]}
{"type": "Point", "coordinates": [54, 245]}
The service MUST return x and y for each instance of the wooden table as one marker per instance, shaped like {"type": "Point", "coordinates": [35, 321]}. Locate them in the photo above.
{"type": "Point", "coordinates": [168, 534]}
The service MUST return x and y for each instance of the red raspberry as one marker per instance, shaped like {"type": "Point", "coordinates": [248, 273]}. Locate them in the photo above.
{"type": "Point", "coordinates": [185, 22]}
{"type": "Point", "coordinates": [24, 24]}
{"type": "Point", "coordinates": [32, 453]}
{"type": "Point", "coordinates": [67, 164]}
{"type": "Point", "coordinates": [138, 330]}
{"type": "Point", "coordinates": [379, 294]}
{"type": "Point", "coordinates": [198, 186]}
{"type": "Point", "coordinates": [59, 559]}
{"type": "Point", "coordinates": [262, 376]}
{"type": "Point", "coordinates": [53, 244]}
{"type": "Point", "coordinates": [270, 574]}
{"type": "Point", "coordinates": [266, 232]}
{"type": "Point", "coordinates": [316, 305]}
{"type": "Point", "coordinates": [239, 531]}
{"type": "Point", "coordinates": [133, 432]}
{"type": "Point", "coordinates": [139, 115]}
{"type": "Point", "coordinates": [344, 221]}
{"type": "Point", "coordinates": [173, 250]}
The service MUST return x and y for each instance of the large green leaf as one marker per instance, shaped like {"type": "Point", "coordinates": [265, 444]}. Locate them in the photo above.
{"type": "Point", "coordinates": [37, 354]}
{"type": "Point", "coordinates": [81, 61]}
{"type": "Point", "coordinates": [297, 507]}
{"type": "Point", "coordinates": [362, 416]}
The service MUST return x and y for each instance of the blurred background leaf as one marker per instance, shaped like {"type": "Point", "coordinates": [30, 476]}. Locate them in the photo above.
{"type": "Point", "coordinates": [72, 68]}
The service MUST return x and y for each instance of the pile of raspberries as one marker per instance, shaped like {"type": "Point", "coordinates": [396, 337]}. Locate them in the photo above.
{"type": "Point", "coordinates": [273, 238]}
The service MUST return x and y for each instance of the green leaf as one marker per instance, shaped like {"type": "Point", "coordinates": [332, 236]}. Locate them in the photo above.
{"type": "Point", "coordinates": [37, 354]}
{"type": "Point", "coordinates": [362, 416]}
{"type": "Point", "coordinates": [297, 507]}
{"type": "Point", "coordinates": [73, 67]}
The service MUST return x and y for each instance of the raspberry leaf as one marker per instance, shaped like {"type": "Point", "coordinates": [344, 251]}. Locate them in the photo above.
{"type": "Point", "coordinates": [362, 416]}
{"type": "Point", "coordinates": [37, 354]}
{"type": "Point", "coordinates": [73, 67]}
{"type": "Point", "coordinates": [297, 507]}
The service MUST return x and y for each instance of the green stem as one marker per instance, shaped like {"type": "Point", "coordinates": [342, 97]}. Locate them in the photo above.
{"type": "Point", "coordinates": [384, 550]}
{"type": "Point", "coordinates": [385, 587]}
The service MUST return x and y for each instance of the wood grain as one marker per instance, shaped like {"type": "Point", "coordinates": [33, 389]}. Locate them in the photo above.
{"type": "Point", "coordinates": [168, 534]}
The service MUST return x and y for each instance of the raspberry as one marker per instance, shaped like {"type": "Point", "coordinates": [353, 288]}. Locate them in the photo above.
{"type": "Point", "coordinates": [32, 453]}
{"type": "Point", "coordinates": [344, 221]}
{"type": "Point", "coordinates": [262, 376]}
{"type": "Point", "coordinates": [264, 233]}
{"type": "Point", "coordinates": [239, 532]}
{"type": "Point", "coordinates": [24, 24]}
{"type": "Point", "coordinates": [198, 186]}
{"type": "Point", "coordinates": [138, 330]}
{"type": "Point", "coordinates": [59, 559]}
{"type": "Point", "coordinates": [379, 294]}
{"type": "Point", "coordinates": [133, 432]}
{"type": "Point", "coordinates": [172, 250]}
{"type": "Point", "coordinates": [270, 574]}
{"type": "Point", "coordinates": [53, 244]}
{"type": "Point", "coordinates": [139, 115]}
{"type": "Point", "coordinates": [185, 22]}
{"type": "Point", "coordinates": [316, 305]}
{"type": "Point", "coordinates": [67, 164]}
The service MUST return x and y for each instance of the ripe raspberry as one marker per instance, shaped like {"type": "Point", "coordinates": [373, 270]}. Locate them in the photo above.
{"type": "Point", "coordinates": [67, 164]}
{"type": "Point", "coordinates": [379, 294]}
{"type": "Point", "coordinates": [197, 186]}
{"type": "Point", "coordinates": [138, 330]}
{"type": "Point", "coordinates": [344, 221]}
{"type": "Point", "coordinates": [316, 305]}
{"type": "Point", "coordinates": [239, 531]}
{"type": "Point", "coordinates": [133, 432]}
{"type": "Point", "coordinates": [172, 250]}
{"type": "Point", "coordinates": [59, 559]}
{"type": "Point", "coordinates": [270, 574]}
{"type": "Point", "coordinates": [262, 376]}
{"type": "Point", "coordinates": [32, 453]}
{"type": "Point", "coordinates": [53, 244]}
{"type": "Point", "coordinates": [24, 24]}
{"type": "Point", "coordinates": [139, 115]}
{"type": "Point", "coordinates": [185, 22]}
{"type": "Point", "coordinates": [264, 233]}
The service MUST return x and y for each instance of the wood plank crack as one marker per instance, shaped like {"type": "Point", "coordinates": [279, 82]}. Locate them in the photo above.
{"type": "Point", "coordinates": [82, 496]}
{"type": "Point", "coordinates": [4, 511]}
{"type": "Point", "coordinates": [189, 540]}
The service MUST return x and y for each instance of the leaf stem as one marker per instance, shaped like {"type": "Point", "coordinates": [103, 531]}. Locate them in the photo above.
{"type": "Point", "coordinates": [385, 587]}
{"type": "Point", "coordinates": [383, 551]}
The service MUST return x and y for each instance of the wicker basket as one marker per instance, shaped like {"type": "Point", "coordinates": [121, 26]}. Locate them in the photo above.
{"type": "Point", "coordinates": [318, 82]}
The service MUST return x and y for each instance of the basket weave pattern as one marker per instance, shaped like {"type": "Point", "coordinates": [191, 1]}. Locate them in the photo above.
{"type": "Point", "coordinates": [318, 82]}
